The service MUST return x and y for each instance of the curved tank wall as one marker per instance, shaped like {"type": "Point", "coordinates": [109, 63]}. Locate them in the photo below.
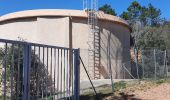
{"type": "Point", "coordinates": [52, 27]}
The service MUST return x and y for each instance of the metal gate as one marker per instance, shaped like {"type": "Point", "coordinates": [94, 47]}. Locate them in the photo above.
{"type": "Point", "coordinates": [30, 71]}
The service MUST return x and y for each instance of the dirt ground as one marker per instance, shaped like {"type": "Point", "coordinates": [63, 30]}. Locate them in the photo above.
{"type": "Point", "coordinates": [161, 92]}
{"type": "Point", "coordinates": [143, 91]}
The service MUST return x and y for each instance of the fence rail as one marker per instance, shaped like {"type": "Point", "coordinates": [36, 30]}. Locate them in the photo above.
{"type": "Point", "coordinates": [31, 71]}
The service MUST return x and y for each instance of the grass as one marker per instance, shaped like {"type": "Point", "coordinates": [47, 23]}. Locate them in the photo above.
{"type": "Point", "coordinates": [160, 81]}
{"type": "Point", "coordinates": [119, 85]}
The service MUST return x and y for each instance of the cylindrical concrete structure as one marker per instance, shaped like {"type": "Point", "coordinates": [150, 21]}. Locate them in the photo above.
{"type": "Point", "coordinates": [52, 27]}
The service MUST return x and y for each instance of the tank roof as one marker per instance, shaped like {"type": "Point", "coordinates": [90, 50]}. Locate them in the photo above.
{"type": "Point", "coordinates": [60, 12]}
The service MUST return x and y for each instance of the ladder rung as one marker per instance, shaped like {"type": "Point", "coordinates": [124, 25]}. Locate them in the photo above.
{"type": "Point", "coordinates": [96, 45]}
{"type": "Point", "coordinates": [96, 65]}
{"type": "Point", "coordinates": [91, 53]}
{"type": "Point", "coordinates": [97, 38]}
{"type": "Point", "coordinates": [97, 41]}
{"type": "Point", "coordinates": [97, 54]}
{"type": "Point", "coordinates": [97, 51]}
{"type": "Point", "coordinates": [96, 73]}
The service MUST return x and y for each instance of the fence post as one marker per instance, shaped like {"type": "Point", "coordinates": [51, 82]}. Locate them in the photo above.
{"type": "Point", "coordinates": [155, 62]}
{"type": "Point", "coordinates": [136, 60]}
{"type": "Point", "coordinates": [164, 69]}
{"type": "Point", "coordinates": [26, 71]}
{"type": "Point", "coordinates": [76, 74]}
{"type": "Point", "coordinates": [142, 65]}
{"type": "Point", "coordinates": [4, 70]}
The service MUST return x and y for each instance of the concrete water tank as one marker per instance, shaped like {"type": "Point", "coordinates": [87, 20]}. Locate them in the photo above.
{"type": "Point", "coordinates": [70, 28]}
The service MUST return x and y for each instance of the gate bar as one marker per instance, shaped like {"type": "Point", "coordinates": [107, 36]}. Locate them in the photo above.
{"type": "Point", "coordinates": [76, 74]}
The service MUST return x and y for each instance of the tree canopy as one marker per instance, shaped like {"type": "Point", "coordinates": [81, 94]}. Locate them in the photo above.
{"type": "Point", "coordinates": [148, 29]}
{"type": "Point", "coordinates": [148, 15]}
{"type": "Point", "coordinates": [108, 9]}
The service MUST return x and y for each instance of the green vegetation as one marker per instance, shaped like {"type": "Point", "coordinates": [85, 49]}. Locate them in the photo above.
{"type": "Point", "coordinates": [148, 15]}
{"type": "Point", "coordinates": [108, 9]}
{"type": "Point", "coordinates": [7, 98]}
{"type": "Point", "coordinates": [119, 85]}
{"type": "Point", "coordinates": [147, 26]}
{"type": "Point", "coordinates": [123, 87]}
{"type": "Point", "coordinates": [149, 29]}
{"type": "Point", "coordinates": [161, 81]}
{"type": "Point", "coordinates": [13, 52]}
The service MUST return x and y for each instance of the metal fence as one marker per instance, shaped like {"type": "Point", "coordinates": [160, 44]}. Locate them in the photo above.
{"type": "Point", "coordinates": [154, 64]}
{"type": "Point", "coordinates": [30, 71]}
{"type": "Point", "coordinates": [149, 64]}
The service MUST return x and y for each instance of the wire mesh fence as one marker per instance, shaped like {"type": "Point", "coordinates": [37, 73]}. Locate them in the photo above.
{"type": "Point", "coordinates": [148, 64]}
{"type": "Point", "coordinates": [153, 63]}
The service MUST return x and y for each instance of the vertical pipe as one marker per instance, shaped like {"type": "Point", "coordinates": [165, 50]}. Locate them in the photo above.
{"type": "Point", "coordinates": [70, 49]}
{"type": "Point", "coordinates": [111, 78]}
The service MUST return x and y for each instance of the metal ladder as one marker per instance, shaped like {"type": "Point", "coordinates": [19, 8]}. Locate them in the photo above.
{"type": "Point", "coordinates": [94, 57]}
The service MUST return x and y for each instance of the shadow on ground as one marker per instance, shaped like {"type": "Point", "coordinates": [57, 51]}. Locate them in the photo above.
{"type": "Point", "coordinates": [122, 96]}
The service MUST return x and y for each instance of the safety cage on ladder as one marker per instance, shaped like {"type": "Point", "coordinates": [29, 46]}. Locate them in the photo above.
{"type": "Point", "coordinates": [30, 71]}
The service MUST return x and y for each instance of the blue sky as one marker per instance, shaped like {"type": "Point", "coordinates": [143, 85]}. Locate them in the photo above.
{"type": "Point", "coordinates": [8, 6]}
